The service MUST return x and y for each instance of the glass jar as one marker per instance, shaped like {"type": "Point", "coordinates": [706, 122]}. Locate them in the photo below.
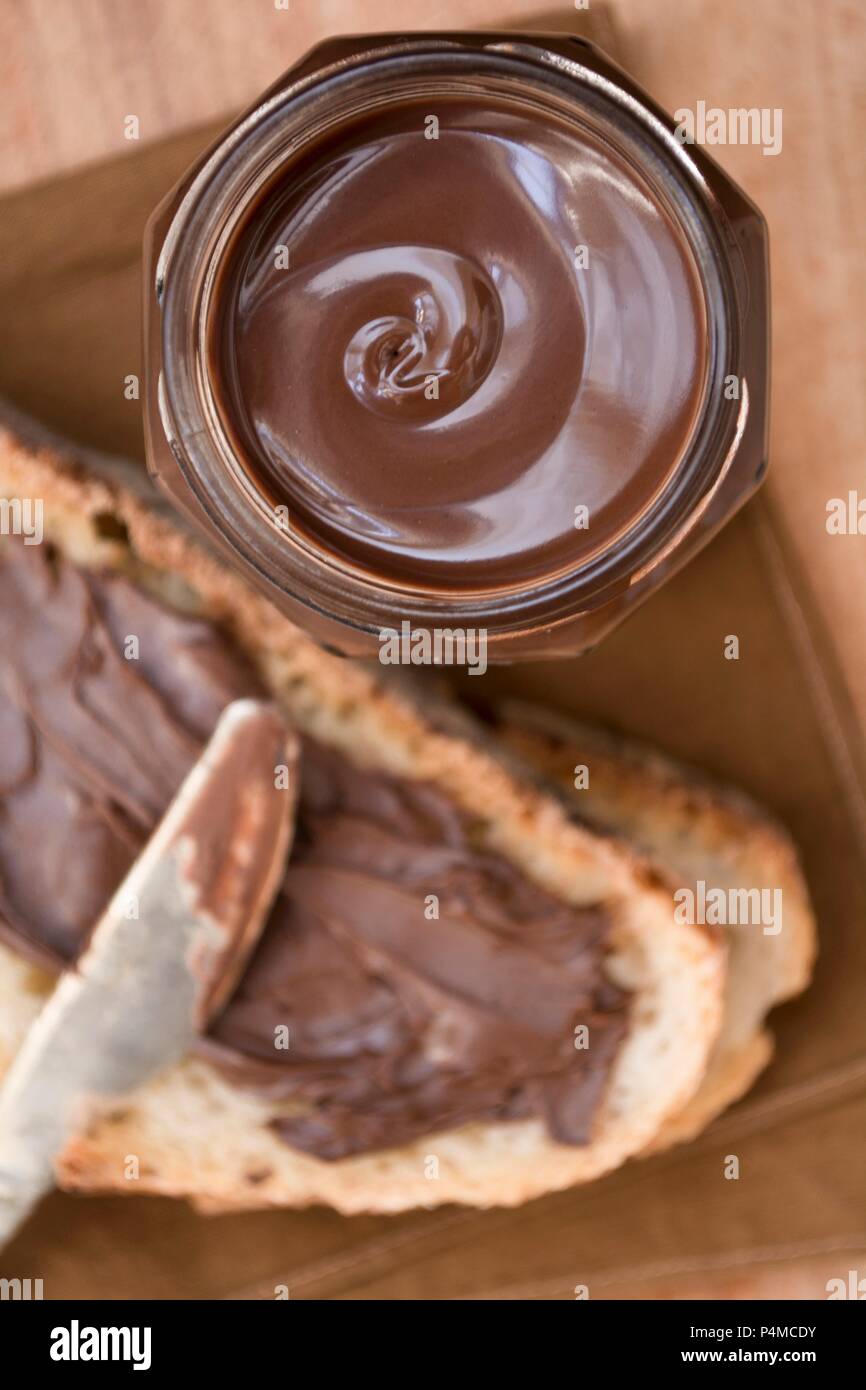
{"type": "Point", "coordinates": [347, 592]}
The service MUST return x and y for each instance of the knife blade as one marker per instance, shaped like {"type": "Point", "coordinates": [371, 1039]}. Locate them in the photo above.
{"type": "Point", "coordinates": [166, 954]}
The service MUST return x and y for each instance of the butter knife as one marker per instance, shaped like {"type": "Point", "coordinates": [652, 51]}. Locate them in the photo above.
{"type": "Point", "coordinates": [165, 956]}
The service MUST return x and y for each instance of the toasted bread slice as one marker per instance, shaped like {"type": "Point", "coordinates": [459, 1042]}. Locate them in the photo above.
{"type": "Point", "coordinates": [694, 829]}
{"type": "Point", "coordinates": [196, 1135]}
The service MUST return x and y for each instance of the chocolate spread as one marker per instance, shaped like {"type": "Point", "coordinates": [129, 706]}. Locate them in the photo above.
{"type": "Point", "coordinates": [438, 345]}
{"type": "Point", "coordinates": [419, 980]}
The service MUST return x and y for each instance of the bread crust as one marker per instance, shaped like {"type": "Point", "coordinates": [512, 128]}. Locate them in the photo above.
{"type": "Point", "coordinates": [691, 828]}
{"type": "Point", "coordinates": [198, 1137]}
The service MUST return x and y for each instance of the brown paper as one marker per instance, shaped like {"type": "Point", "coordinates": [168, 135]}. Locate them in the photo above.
{"type": "Point", "coordinates": [779, 722]}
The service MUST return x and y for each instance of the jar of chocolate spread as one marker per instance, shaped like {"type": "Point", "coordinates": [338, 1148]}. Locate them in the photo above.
{"type": "Point", "coordinates": [452, 332]}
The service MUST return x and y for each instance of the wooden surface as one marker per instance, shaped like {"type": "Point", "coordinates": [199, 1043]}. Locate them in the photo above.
{"type": "Point", "coordinates": [71, 70]}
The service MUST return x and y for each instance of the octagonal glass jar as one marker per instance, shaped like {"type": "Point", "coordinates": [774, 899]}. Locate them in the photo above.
{"type": "Point", "coordinates": [452, 331]}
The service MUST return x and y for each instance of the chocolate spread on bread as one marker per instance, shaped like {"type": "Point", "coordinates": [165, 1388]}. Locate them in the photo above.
{"type": "Point", "coordinates": [420, 980]}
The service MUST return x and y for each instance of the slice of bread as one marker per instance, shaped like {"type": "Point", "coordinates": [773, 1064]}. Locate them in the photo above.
{"type": "Point", "coordinates": [694, 829]}
{"type": "Point", "coordinates": [197, 1136]}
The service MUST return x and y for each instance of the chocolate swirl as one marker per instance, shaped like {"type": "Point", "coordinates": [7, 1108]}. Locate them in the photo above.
{"type": "Point", "coordinates": [435, 350]}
